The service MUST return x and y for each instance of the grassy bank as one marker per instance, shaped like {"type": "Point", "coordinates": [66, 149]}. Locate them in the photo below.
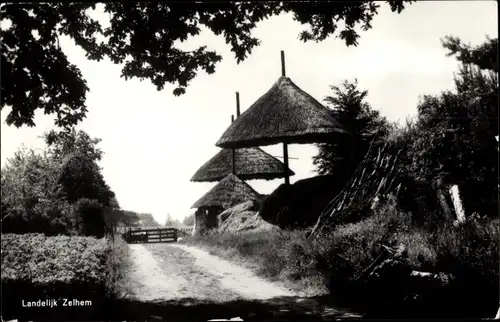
{"type": "Point", "coordinates": [469, 254]}
{"type": "Point", "coordinates": [63, 268]}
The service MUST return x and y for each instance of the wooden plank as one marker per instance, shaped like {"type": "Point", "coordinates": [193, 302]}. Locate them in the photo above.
{"type": "Point", "coordinates": [153, 229]}
{"type": "Point", "coordinates": [154, 235]}
{"type": "Point", "coordinates": [161, 237]}
{"type": "Point", "coordinates": [150, 231]}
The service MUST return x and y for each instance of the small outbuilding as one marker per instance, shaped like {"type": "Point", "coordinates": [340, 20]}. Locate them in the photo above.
{"type": "Point", "coordinates": [229, 192]}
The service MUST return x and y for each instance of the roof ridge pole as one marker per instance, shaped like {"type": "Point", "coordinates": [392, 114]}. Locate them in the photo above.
{"type": "Point", "coordinates": [283, 63]}
{"type": "Point", "coordinates": [237, 104]}
{"type": "Point", "coordinates": [285, 146]}
{"type": "Point", "coordinates": [233, 161]}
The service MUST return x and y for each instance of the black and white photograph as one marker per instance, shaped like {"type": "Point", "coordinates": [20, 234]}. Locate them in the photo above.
{"type": "Point", "coordinates": [249, 160]}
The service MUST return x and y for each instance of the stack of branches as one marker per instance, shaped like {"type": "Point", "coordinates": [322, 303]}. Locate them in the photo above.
{"type": "Point", "coordinates": [377, 175]}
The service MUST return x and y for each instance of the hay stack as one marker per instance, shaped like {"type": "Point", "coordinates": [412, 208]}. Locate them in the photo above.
{"type": "Point", "coordinates": [227, 193]}
{"type": "Point", "coordinates": [242, 218]}
{"type": "Point", "coordinates": [251, 163]}
{"type": "Point", "coordinates": [285, 114]}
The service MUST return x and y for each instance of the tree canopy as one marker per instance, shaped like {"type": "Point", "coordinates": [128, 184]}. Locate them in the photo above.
{"type": "Point", "coordinates": [456, 129]}
{"type": "Point", "coordinates": [147, 220]}
{"type": "Point", "coordinates": [189, 220]}
{"type": "Point", "coordinates": [143, 38]}
{"type": "Point", "coordinates": [49, 191]}
{"type": "Point", "coordinates": [348, 105]}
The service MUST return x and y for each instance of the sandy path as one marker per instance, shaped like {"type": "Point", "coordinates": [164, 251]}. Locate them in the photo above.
{"type": "Point", "coordinates": [148, 279]}
{"type": "Point", "coordinates": [235, 278]}
{"type": "Point", "coordinates": [162, 272]}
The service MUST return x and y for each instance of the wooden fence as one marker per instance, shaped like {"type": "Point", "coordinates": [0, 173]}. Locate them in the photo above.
{"type": "Point", "coordinates": [186, 231]}
{"type": "Point", "coordinates": [158, 235]}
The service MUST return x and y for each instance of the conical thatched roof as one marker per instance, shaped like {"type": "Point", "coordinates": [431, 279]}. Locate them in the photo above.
{"type": "Point", "coordinates": [284, 114]}
{"type": "Point", "coordinates": [251, 163]}
{"type": "Point", "coordinates": [229, 192]}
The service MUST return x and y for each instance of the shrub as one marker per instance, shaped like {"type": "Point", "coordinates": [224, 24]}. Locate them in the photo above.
{"type": "Point", "coordinates": [37, 267]}
{"type": "Point", "coordinates": [45, 260]}
{"type": "Point", "coordinates": [47, 217]}
{"type": "Point", "coordinates": [90, 213]}
{"type": "Point", "coordinates": [471, 253]}
{"type": "Point", "coordinates": [350, 248]}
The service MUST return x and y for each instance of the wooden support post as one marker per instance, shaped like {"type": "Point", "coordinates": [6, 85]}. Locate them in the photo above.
{"type": "Point", "coordinates": [237, 104]}
{"type": "Point", "coordinates": [233, 161]}
{"type": "Point", "coordinates": [283, 64]}
{"type": "Point", "coordinates": [285, 162]}
{"type": "Point", "coordinates": [442, 200]}
{"type": "Point", "coordinates": [457, 203]}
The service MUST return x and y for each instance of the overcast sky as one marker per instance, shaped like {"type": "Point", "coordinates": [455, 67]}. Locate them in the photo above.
{"type": "Point", "coordinates": [154, 142]}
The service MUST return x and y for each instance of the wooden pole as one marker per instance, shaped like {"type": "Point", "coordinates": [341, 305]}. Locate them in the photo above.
{"type": "Point", "coordinates": [285, 146]}
{"type": "Point", "coordinates": [283, 63]}
{"type": "Point", "coordinates": [285, 162]}
{"type": "Point", "coordinates": [233, 163]}
{"type": "Point", "coordinates": [237, 104]}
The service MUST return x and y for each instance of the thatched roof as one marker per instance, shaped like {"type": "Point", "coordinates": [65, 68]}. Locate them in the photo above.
{"type": "Point", "coordinates": [251, 163]}
{"type": "Point", "coordinates": [229, 192]}
{"type": "Point", "coordinates": [284, 114]}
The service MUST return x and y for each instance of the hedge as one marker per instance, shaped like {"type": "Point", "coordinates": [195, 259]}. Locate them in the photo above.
{"type": "Point", "coordinates": [38, 267]}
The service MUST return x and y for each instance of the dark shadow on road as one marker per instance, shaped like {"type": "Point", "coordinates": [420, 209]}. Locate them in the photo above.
{"type": "Point", "coordinates": [187, 309]}
{"type": "Point", "coordinates": [281, 308]}
{"type": "Point", "coordinates": [249, 310]}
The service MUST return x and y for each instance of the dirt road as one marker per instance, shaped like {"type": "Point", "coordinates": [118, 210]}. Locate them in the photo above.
{"type": "Point", "coordinates": [172, 271]}
{"type": "Point", "coordinates": [181, 281]}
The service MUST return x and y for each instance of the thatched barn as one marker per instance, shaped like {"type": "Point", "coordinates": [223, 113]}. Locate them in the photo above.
{"type": "Point", "coordinates": [250, 164]}
{"type": "Point", "coordinates": [285, 114]}
{"type": "Point", "coordinates": [229, 192]}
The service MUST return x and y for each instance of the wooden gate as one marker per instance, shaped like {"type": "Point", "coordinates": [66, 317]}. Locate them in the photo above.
{"type": "Point", "coordinates": [158, 235]}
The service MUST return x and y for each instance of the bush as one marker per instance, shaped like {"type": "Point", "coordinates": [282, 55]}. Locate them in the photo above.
{"type": "Point", "coordinates": [468, 253]}
{"type": "Point", "coordinates": [350, 248]}
{"type": "Point", "coordinates": [45, 260]}
{"type": "Point", "coordinates": [91, 216]}
{"type": "Point", "coordinates": [38, 267]}
{"type": "Point", "coordinates": [471, 253]}
{"type": "Point", "coordinates": [49, 218]}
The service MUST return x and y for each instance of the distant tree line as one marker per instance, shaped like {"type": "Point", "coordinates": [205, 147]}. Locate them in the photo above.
{"type": "Point", "coordinates": [61, 190]}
